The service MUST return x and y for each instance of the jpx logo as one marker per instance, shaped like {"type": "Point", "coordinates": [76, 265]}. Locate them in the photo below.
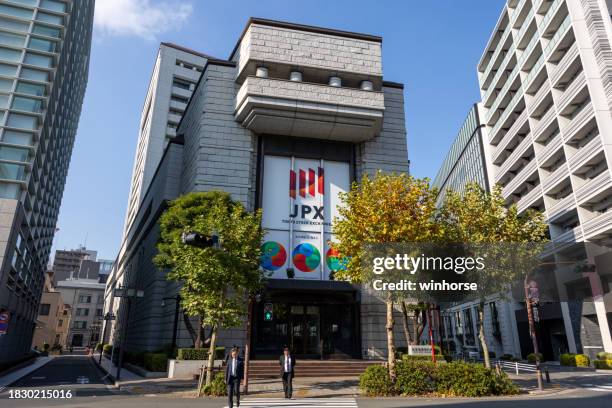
{"type": "Point", "coordinates": [311, 183]}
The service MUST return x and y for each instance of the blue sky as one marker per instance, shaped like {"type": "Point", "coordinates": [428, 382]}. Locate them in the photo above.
{"type": "Point", "coordinates": [430, 46]}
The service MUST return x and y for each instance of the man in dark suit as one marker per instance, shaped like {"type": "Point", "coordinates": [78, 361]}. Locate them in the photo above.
{"type": "Point", "coordinates": [287, 365]}
{"type": "Point", "coordinates": [234, 374]}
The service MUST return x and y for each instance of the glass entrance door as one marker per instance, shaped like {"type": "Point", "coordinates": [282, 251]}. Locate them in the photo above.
{"type": "Point", "coordinates": [305, 330]}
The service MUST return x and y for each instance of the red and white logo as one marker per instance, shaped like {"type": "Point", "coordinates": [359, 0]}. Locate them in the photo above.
{"type": "Point", "coordinates": [316, 182]}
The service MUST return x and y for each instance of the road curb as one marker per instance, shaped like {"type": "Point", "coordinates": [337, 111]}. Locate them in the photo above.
{"type": "Point", "coordinates": [14, 376]}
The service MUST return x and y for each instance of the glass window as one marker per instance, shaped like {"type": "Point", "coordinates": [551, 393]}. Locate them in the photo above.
{"type": "Point", "coordinates": [38, 60]}
{"type": "Point", "coordinates": [4, 101]}
{"type": "Point", "coordinates": [50, 18]}
{"type": "Point", "coordinates": [8, 70]}
{"type": "Point", "coordinates": [1, 116]}
{"type": "Point", "coordinates": [44, 309]}
{"type": "Point", "coordinates": [26, 2]}
{"type": "Point", "coordinates": [16, 11]}
{"type": "Point", "coordinates": [18, 138]}
{"type": "Point", "coordinates": [13, 24]}
{"type": "Point", "coordinates": [58, 6]}
{"type": "Point", "coordinates": [6, 85]}
{"type": "Point", "coordinates": [10, 55]}
{"type": "Point", "coordinates": [27, 104]}
{"type": "Point", "coordinates": [34, 74]}
{"type": "Point", "coordinates": [14, 40]}
{"type": "Point", "coordinates": [11, 171]}
{"type": "Point", "coordinates": [42, 45]}
{"type": "Point", "coordinates": [11, 191]}
{"type": "Point", "coordinates": [22, 121]}
{"type": "Point", "coordinates": [30, 89]}
{"type": "Point", "coordinates": [45, 30]}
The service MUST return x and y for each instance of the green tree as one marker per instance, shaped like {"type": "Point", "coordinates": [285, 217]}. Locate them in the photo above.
{"type": "Point", "coordinates": [484, 223]}
{"type": "Point", "coordinates": [216, 281]}
{"type": "Point", "coordinates": [384, 209]}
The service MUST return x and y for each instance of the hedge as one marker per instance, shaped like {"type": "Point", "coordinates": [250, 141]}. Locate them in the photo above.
{"type": "Point", "coordinates": [375, 381]}
{"type": "Point", "coordinates": [575, 360]}
{"type": "Point", "coordinates": [217, 387]}
{"type": "Point", "coordinates": [199, 354]}
{"type": "Point", "coordinates": [602, 355]}
{"type": "Point", "coordinates": [603, 364]}
{"type": "Point", "coordinates": [531, 357]}
{"type": "Point", "coordinates": [155, 361]}
{"type": "Point", "coordinates": [107, 348]}
{"type": "Point", "coordinates": [452, 379]}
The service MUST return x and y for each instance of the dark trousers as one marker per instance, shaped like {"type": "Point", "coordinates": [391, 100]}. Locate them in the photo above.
{"type": "Point", "coordinates": [233, 387]}
{"type": "Point", "coordinates": [288, 384]}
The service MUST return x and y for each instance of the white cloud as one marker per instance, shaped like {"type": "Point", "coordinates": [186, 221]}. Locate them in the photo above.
{"type": "Point", "coordinates": [140, 18]}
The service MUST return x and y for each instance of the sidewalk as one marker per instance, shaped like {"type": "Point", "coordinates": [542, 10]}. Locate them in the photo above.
{"type": "Point", "coordinates": [306, 387]}
{"type": "Point", "coordinates": [16, 375]}
{"type": "Point", "coordinates": [111, 369]}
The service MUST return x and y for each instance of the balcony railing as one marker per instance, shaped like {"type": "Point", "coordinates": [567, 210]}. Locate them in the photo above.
{"type": "Point", "coordinates": [561, 207]}
{"type": "Point", "coordinates": [602, 222]}
{"type": "Point", "coordinates": [500, 70]}
{"type": "Point", "coordinates": [552, 10]}
{"type": "Point", "coordinates": [571, 91]}
{"type": "Point", "coordinates": [502, 118]}
{"type": "Point", "coordinates": [577, 122]}
{"type": "Point", "coordinates": [539, 96]}
{"type": "Point", "coordinates": [585, 153]}
{"type": "Point", "coordinates": [565, 62]}
{"type": "Point", "coordinates": [528, 199]}
{"type": "Point", "coordinates": [520, 178]}
{"type": "Point", "coordinates": [593, 186]}
{"type": "Point", "coordinates": [569, 236]}
{"type": "Point", "coordinates": [525, 25]}
{"type": "Point", "coordinates": [555, 177]}
{"type": "Point", "coordinates": [552, 44]}
{"type": "Point", "coordinates": [550, 148]}
{"type": "Point", "coordinates": [495, 55]}
{"type": "Point", "coordinates": [518, 123]}
{"type": "Point", "coordinates": [514, 156]}
{"type": "Point", "coordinates": [544, 122]}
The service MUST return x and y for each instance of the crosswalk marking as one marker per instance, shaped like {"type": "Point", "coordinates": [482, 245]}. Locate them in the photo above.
{"type": "Point", "coordinates": [603, 388]}
{"type": "Point", "coordinates": [299, 403]}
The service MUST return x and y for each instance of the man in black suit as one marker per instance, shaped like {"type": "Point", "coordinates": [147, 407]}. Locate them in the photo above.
{"type": "Point", "coordinates": [234, 374]}
{"type": "Point", "coordinates": [287, 365]}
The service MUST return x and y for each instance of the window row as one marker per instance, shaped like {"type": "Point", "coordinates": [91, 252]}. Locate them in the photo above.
{"type": "Point", "coordinates": [39, 60]}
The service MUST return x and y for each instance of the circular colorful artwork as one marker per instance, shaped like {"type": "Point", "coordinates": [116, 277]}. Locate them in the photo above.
{"type": "Point", "coordinates": [306, 257]}
{"type": "Point", "coordinates": [273, 255]}
{"type": "Point", "coordinates": [334, 261]}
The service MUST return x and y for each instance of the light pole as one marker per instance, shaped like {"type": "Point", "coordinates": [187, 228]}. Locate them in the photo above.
{"type": "Point", "coordinates": [177, 307]}
{"type": "Point", "coordinates": [108, 316]}
{"type": "Point", "coordinates": [129, 294]}
{"type": "Point", "coordinates": [247, 346]}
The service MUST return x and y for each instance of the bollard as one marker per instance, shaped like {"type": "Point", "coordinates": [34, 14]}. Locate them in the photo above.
{"type": "Point", "coordinates": [516, 367]}
{"type": "Point", "coordinates": [547, 375]}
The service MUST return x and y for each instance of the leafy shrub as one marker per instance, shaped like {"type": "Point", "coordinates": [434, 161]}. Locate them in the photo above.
{"type": "Point", "coordinates": [199, 354]}
{"type": "Point", "coordinates": [155, 361]}
{"type": "Point", "coordinates": [471, 380]}
{"type": "Point", "coordinates": [603, 364]}
{"type": "Point", "coordinates": [531, 357]}
{"type": "Point", "coordinates": [217, 387]}
{"type": "Point", "coordinates": [107, 348]}
{"type": "Point", "coordinates": [575, 360]}
{"type": "Point", "coordinates": [602, 355]}
{"type": "Point", "coordinates": [407, 357]}
{"type": "Point", "coordinates": [46, 347]}
{"type": "Point", "coordinates": [99, 346]}
{"type": "Point", "coordinates": [415, 377]}
{"type": "Point", "coordinates": [375, 381]}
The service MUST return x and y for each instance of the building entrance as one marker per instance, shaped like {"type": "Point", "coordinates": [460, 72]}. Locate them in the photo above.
{"type": "Point", "coordinates": [313, 324]}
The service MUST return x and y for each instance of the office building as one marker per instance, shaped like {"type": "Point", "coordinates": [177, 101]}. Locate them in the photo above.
{"type": "Point", "coordinates": [44, 62]}
{"type": "Point", "coordinates": [67, 263]}
{"type": "Point", "coordinates": [292, 106]}
{"type": "Point", "coordinates": [546, 87]}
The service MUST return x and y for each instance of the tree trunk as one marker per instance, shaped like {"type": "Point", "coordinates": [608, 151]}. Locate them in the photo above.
{"type": "Point", "coordinates": [390, 338]}
{"type": "Point", "coordinates": [406, 323]}
{"type": "Point", "coordinates": [420, 321]}
{"type": "Point", "coordinates": [481, 335]}
{"type": "Point", "coordinates": [211, 354]}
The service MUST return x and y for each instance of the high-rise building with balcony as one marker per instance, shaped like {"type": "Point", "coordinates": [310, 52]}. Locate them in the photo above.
{"type": "Point", "coordinates": [176, 71]}
{"type": "Point", "coordinates": [44, 63]}
{"type": "Point", "coordinates": [546, 86]}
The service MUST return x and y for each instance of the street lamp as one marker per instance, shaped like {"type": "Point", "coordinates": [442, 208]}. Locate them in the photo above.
{"type": "Point", "coordinates": [177, 307]}
{"type": "Point", "coordinates": [129, 294]}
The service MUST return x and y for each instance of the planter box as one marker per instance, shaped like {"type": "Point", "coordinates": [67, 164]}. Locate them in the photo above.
{"type": "Point", "coordinates": [143, 372]}
{"type": "Point", "coordinates": [188, 368]}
